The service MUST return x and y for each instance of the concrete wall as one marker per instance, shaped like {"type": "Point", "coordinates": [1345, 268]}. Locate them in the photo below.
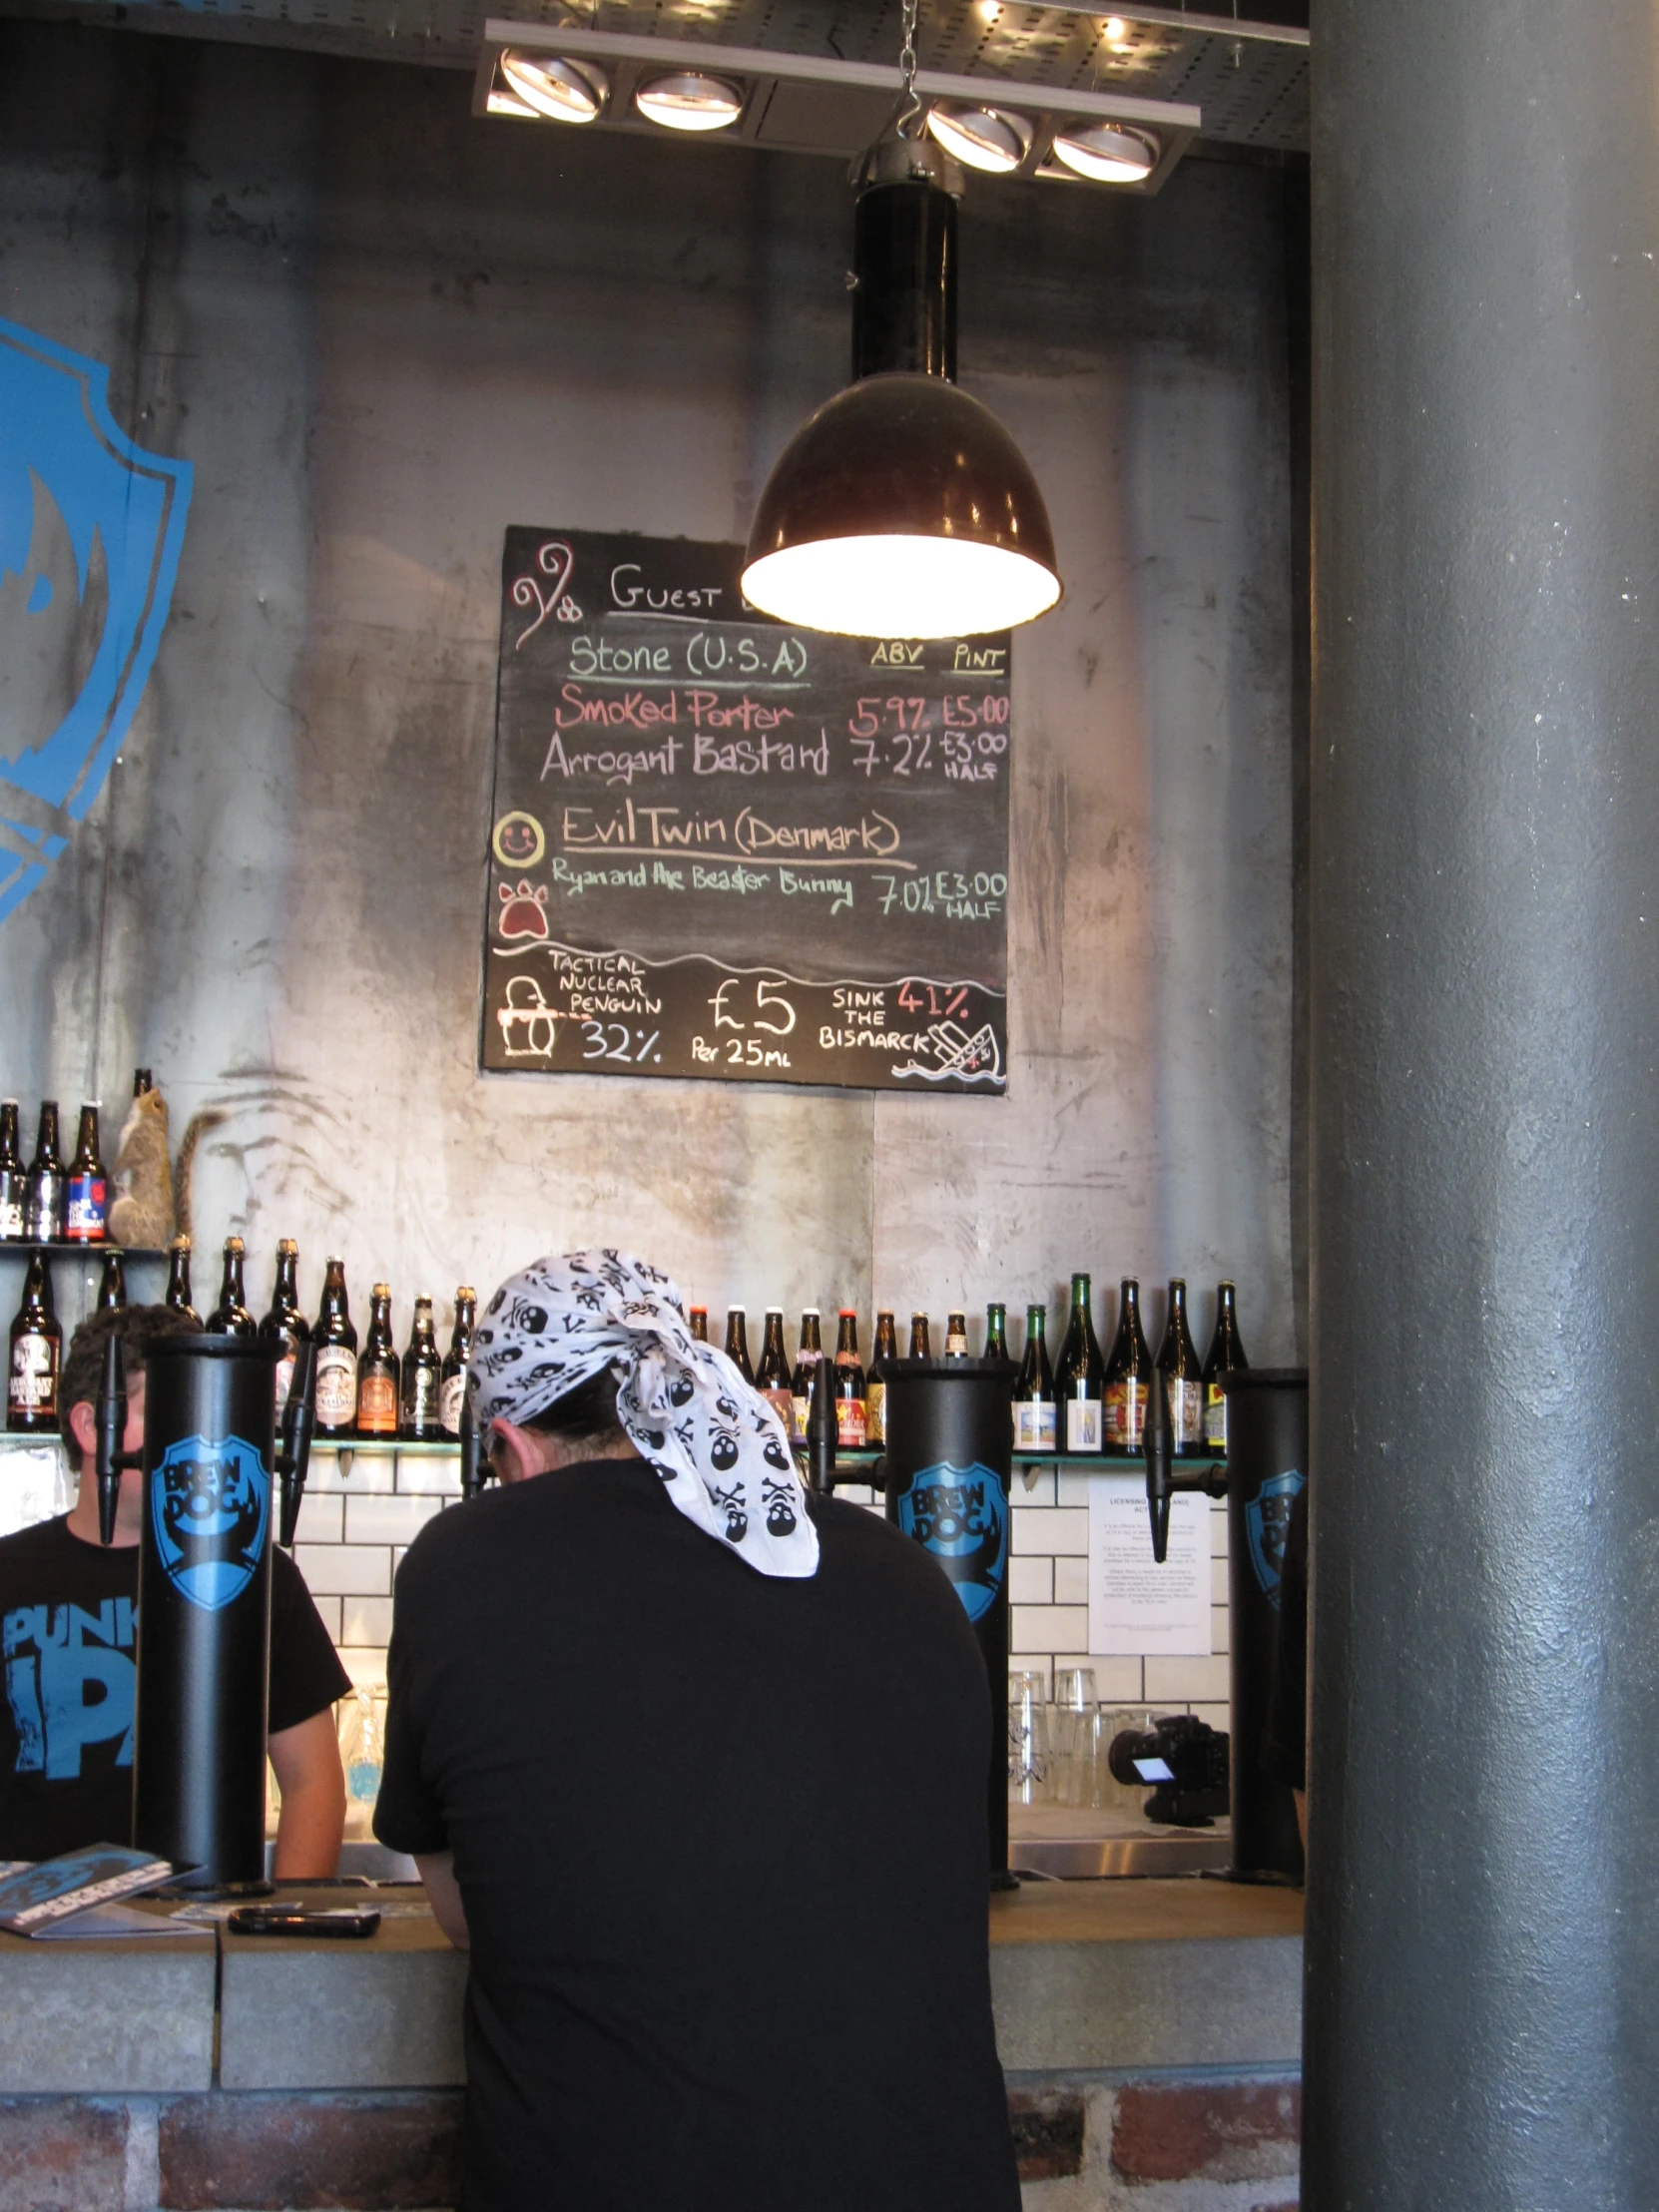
{"type": "Point", "coordinates": [382, 331]}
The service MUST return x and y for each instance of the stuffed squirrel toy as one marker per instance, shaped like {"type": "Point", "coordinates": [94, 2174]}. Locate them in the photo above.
{"type": "Point", "coordinates": [151, 1208]}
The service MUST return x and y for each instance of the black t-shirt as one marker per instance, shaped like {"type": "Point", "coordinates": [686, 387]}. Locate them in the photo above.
{"type": "Point", "coordinates": [721, 1839]}
{"type": "Point", "coordinates": [1285, 1738]}
{"type": "Point", "coordinates": [66, 1614]}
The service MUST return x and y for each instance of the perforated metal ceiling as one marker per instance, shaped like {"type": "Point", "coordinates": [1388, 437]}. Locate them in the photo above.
{"type": "Point", "coordinates": [1248, 78]}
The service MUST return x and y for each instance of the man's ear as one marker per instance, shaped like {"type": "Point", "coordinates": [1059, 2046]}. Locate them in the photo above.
{"type": "Point", "coordinates": [522, 1454]}
{"type": "Point", "coordinates": [83, 1427]}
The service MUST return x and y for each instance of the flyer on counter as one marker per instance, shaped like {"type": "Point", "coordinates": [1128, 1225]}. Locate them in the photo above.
{"type": "Point", "coordinates": [35, 1898]}
{"type": "Point", "coordinates": [1135, 1605]}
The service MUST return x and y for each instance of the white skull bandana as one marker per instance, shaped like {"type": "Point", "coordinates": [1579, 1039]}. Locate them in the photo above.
{"type": "Point", "coordinates": [719, 1448]}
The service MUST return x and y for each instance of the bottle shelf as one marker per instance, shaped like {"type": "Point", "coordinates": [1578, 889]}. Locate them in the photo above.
{"type": "Point", "coordinates": [20, 1248]}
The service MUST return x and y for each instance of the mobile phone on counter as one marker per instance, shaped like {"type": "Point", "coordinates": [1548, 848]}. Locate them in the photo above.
{"type": "Point", "coordinates": [337, 1921]}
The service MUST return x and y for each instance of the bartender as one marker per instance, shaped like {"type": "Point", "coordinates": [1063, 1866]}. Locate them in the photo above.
{"type": "Point", "coordinates": [67, 1625]}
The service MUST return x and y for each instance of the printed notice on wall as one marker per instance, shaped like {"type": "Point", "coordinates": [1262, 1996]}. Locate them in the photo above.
{"type": "Point", "coordinates": [724, 847]}
{"type": "Point", "coordinates": [1136, 1606]}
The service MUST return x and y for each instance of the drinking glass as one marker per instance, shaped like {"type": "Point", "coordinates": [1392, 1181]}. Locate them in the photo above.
{"type": "Point", "coordinates": [1028, 1753]}
{"type": "Point", "coordinates": [1074, 1701]}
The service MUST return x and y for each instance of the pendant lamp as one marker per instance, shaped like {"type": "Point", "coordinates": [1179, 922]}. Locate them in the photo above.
{"type": "Point", "coordinates": [903, 508]}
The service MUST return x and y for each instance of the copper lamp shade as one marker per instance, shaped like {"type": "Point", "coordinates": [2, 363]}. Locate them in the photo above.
{"type": "Point", "coordinates": [901, 510]}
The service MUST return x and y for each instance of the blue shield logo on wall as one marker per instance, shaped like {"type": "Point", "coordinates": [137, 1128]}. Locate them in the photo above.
{"type": "Point", "coordinates": [1267, 1525]}
{"type": "Point", "coordinates": [210, 1514]}
{"type": "Point", "coordinates": [961, 1515]}
{"type": "Point", "coordinates": [91, 528]}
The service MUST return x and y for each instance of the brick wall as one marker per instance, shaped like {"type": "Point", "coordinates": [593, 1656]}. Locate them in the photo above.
{"type": "Point", "coordinates": [1169, 2143]}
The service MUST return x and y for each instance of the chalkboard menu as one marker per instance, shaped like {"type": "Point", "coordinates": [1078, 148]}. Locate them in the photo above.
{"type": "Point", "coordinates": [720, 847]}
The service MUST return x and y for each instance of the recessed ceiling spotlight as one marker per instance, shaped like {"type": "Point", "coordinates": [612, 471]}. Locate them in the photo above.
{"type": "Point", "coordinates": [563, 91]}
{"type": "Point", "coordinates": [983, 138]}
{"type": "Point", "coordinates": [989, 10]}
{"type": "Point", "coordinates": [1106, 153]}
{"type": "Point", "coordinates": [689, 101]}
{"type": "Point", "coordinates": [1114, 30]}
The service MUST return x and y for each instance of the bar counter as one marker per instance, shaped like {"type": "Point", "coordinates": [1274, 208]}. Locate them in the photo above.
{"type": "Point", "coordinates": [1150, 2032]}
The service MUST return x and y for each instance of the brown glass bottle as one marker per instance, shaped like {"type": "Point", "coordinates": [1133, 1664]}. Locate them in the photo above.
{"type": "Point", "coordinates": [1128, 1374]}
{"type": "Point", "coordinates": [336, 1356]}
{"type": "Point", "coordinates": [452, 1381]}
{"type": "Point", "coordinates": [955, 1337]}
{"type": "Point", "coordinates": [1226, 1357]}
{"type": "Point", "coordinates": [417, 1419]}
{"type": "Point", "coordinates": [1035, 1412]}
{"type": "Point", "coordinates": [231, 1318]}
{"type": "Point", "coordinates": [920, 1348]}
{"type": "Point", "coordinates": [378, 1373]}
{"type": "Point", "coordinates": [48, 1185]}
{"type": "Point", "coordinates": [36, 1356]}
{"type": "Point", "coordinates": [809, 1354]}
{"type": "Point", "coordinates": [736, 1341]}
{"type": "Point", "coordinates": [883, 1354]}
{"type": "Point", "coordinates": [1080, 1377]}
{"type": "Point", "coordinates": [86, 1194]}
{"type": "Point", "coordinates": [772, 1377]}
{"type": "Point", "coordinates": [178, 1279]}
{"type": "Point", "coordinates": [698, 1322]}
{"type": "Point", "coordinates": [285, 1324]}
{"type": "Point", "coordinates": [112, 1288]}
{"type": "Point", "coordinates": [851, 1410]}
{"type": "Point", "coordinates": [1178, 1365]}
{"type": "Point", "coordinates": [14, 1178]}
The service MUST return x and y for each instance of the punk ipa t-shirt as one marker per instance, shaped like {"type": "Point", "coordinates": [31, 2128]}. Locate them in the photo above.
{"type": "Point", "coordinates": [720, 1839]}
{"type": "Point", "coordinates": [67, 1627]}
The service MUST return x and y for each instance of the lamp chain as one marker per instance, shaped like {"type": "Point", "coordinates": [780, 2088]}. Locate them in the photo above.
{"type": "Point", "coordinates": [910, 113]}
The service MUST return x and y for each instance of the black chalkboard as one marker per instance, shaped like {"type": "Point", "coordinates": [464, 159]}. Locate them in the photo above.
{"type": "Point", "coordinates": [720, 847]}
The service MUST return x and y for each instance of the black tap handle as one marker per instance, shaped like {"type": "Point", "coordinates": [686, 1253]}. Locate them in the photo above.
{"type": "Point", "coordinates": [1158, 1447]}
{"type": "Point", "coordinates": [299, 1428]}
{"type": "Point", "coordinates": [820, 1429]}
{"type": "Point", "coordinates": [476, 1466]}
{"type": "Point", "coordinates": [112, 1435]}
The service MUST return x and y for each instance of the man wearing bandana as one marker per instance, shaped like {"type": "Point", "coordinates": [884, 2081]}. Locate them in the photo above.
{"type": "Point", "coordinates": [695, 1768]}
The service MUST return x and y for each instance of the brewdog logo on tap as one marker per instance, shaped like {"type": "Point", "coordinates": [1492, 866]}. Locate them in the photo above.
{"type": "Point", "coordinates": [91, 528]}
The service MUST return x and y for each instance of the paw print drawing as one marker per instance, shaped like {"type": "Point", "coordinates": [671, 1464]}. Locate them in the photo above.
{"type": "Point", "coordinates": [523, 912]}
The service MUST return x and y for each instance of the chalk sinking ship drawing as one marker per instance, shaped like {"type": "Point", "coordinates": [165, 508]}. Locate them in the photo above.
{"type": "Point", "coordinates": [91, 528]}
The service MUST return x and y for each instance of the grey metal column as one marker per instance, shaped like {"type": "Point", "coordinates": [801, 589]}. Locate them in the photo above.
{"type": "Point", "coordinates": [1482, 2017]}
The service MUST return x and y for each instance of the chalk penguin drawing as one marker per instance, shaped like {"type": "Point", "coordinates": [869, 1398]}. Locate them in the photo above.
{"type": "Point", "coordinates": [91, 529]}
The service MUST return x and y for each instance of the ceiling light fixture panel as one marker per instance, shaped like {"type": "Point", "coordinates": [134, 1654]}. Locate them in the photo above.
{"type": "Point", "coordinates": [688, 100]}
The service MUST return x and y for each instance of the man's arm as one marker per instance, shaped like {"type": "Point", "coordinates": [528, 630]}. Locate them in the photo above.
{"type": "Point", "coordinates": [443, 1893]}
{"type": "Point", "coordinates": [313, 1820]}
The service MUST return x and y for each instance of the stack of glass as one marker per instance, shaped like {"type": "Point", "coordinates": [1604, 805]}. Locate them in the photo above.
{"type": "Point", "coordinates": [1057, 1750]}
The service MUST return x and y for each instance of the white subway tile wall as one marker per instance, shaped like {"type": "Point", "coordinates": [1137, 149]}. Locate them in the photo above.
{"type": "Point", "coordinates": [364, 1507]}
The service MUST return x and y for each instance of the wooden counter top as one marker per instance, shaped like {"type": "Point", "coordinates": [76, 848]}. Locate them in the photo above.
{"type": "Point", "coordinates": [1141, 1912]}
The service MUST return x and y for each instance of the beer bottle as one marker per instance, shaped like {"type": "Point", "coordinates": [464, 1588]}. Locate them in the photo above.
{"type": "Point", "coordinates": [996, 1330]}
{"type": "Point", "coordinates": [112, 1291]}
{"type": "Point", "coordinates": [955, 1337]}
{"type": "Point", "coordinates": [697, 1320]}
{"type": "Point", "coordinates": [852, 1426]}
{"type": "Point", "coordinates": [1080, 1376]}
{"type": "Point", "coordinates": [1034, 1410]}
{"type": "Point", "coordinates": [1226, 1357]}
{"type": "Point", "coordinates": [452, 1381]}
{"type": "Point", "coordinates": [142, 1080]}
{"type": "Point", "coordinates": [86, 1200]}
{"type": "Point", "coordinates": [37, 1354]}
{"type": "Point", "coordinates": [919, 1346]}
{"type": "Point", "coordinates": [45, 1203]}
{"type": "Point", "coordinates": [336, 1356]}
{"type": "Point", "coordinates": [736, 1341]}
{"type": "Point", "coordinates": [883, 1355]}
{"type": "Point", "coordinates": [772, 1377]}
{"type": "Point", "coordinates": [806, 1359]}
{"type": "Point", "coordinates": [285, 1324]}
{"type": "Point", "coordinates": [377, 1369]}
{"type": "Point", "coordinates": [1178, 1365]}
{"type": "Point", "coordinates": [178, 1279]}
{"type": "Point", "coordinates": [14, 1182]}
{"type": "Point", "coordinates": [1128, 1374]}
{"type": "Point", "coordinates": [231, 1318]}
{"type": "Point", "coordinates": [422, 1379]}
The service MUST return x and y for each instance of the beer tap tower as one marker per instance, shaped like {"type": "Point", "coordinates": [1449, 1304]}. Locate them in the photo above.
{"type": "Point", "coordinates": [209, 1465]}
